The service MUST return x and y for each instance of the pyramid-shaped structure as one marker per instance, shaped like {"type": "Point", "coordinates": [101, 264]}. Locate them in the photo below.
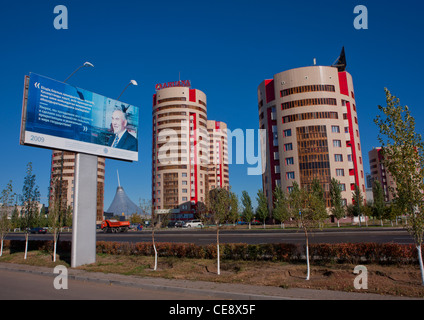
{"type": "Point", "coordinates": [121, 204]}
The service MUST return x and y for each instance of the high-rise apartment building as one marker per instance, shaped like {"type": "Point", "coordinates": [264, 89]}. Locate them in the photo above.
{"type": "Point", "coordinates": [218, 174]}
{"type": "Point", "coordinates": [181, 150]}
{"type": "Point", "coordinates": [379, 172]}
{"type": "Point", "coordinates": [312, 130]}
{"type": "Point", "coordinates": [63, 173]}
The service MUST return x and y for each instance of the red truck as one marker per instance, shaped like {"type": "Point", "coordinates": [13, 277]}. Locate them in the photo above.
{"type": "Point", "coordinates": [115, 226]}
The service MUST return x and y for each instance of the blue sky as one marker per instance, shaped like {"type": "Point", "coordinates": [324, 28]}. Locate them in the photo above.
{"type": "Point", "coordinates": [225, 48]}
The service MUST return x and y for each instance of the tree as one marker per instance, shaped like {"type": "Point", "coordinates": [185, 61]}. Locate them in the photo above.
{"type": "Point", "coordinates": [378, 206]}
{"type": "Point", "coordinates": [247, 211]}
{"type": "Point", "coordinates": [320, 206]}
{"type": "Point", "coordinates": [220, 206]}
{"type": "Point", "coordinates": [403, 154]}
{"type": "Point", "coordinates": [56, 214]}
{"type": "Point", "coordinates": [280, 211]}
{"type": "Point", "coordinates": [337, 208]}
{"type": "Point", "coordinates": [30, 199]}
{"type": "Point", "coordinates": [262, 211]}
{"type": "Point", "coordinates": [234, 207]}
{"type": "Point", "coordinates": [6, 201]}
{"type": "Point", "coordinates": [305, 208]}
{"type": "Point", "coordinates": [358, 203]}
{"type": "Point", "coordinates": [157, 221]}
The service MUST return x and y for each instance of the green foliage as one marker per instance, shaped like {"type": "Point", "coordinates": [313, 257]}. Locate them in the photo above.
{"type": "Point", "coordinates": [281, 205]}
{"type": "Point", "coordinates": [247, 211]}
{"type": "Point", "coordinates": [378, 195]}
{"type": "Point", "coordinates": [30, 198]}
{"type": "Point", "coordinates": [337, 208]}
{"type": "Point", "coordinates": [220, 205]}
{"type": "Point", "coordinates": [6, 201]}
{"type": "Point", "coordinates": [262, 211]}
{"type": "Point", "coordinates": [403, 152]}
{"type": "Point", "coordinates": [307, 208]}
{"type": "Point", "coordinates": [234, 207]}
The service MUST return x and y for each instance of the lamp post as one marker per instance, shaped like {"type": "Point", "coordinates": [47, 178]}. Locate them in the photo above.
{"type": "Point", "coordinates": [132, 82]}
{"type": "Point", "coordinates": [86, 64]}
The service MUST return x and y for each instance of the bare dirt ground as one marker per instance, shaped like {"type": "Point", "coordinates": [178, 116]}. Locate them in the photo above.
{"type": "Point", "coordinates": [386, 280]}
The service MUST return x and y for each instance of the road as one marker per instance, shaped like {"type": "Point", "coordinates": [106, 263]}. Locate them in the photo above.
{"type": "Point", "coordinates": [254, 236]}
{"type": "Point", "coordinates": [31, 286]}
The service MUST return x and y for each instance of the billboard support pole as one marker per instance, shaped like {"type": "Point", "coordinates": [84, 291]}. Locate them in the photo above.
{"type": "Point", "coordinates": [84, 214]}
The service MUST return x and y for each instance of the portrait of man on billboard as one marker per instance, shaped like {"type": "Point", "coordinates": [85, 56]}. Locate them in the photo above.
{"type": "Point", "coordinates": [122, 138]}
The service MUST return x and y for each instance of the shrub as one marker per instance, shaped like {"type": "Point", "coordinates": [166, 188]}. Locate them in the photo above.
{"type": "Point", "coordinates": [353, 253]}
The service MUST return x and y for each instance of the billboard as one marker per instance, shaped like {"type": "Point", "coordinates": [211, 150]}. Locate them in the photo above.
{"type": "Point", "coordinates": [59, 116]}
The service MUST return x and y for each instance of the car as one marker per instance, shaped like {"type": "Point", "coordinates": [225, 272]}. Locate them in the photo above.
{"type": "Point", "coordinates": [171, 224]}
{"type": "Point", "coordinates": [194, 223]}
{"type": "Point", "coordinates": [38, 230]}
{"type": "Point", "coordinates": [179, 224]}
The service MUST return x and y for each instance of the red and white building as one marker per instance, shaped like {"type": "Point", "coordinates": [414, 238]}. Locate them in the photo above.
{"type": "Point", "coordinates": [181, 150]}
{"type": "Point", "coordinates": [312, 130]}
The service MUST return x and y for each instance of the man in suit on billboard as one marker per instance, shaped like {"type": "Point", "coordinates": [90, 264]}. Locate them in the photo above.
{"type": "Point", "coordinates": [122, 139]}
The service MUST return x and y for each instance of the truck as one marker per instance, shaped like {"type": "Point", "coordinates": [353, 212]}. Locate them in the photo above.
{"type": "Point", "coordinates": [115, 226]}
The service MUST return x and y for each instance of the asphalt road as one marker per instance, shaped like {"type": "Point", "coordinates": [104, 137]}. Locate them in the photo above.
{"type": "Point", "coordinates": [254, 236]}
{"type": "Point", "coordinates": [31, 286]}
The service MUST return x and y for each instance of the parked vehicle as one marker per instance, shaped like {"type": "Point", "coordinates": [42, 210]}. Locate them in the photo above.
{"type": "Point", "coordinates": [38, 230]}
{"type": "Point", "coordinates": [194, 224]}
{"type": "Point", "coordinates": [179, 224]}
{"type": "Point", "coordinates": [171, 224]}
{"type": "Point", "coordinates": [115, 226]}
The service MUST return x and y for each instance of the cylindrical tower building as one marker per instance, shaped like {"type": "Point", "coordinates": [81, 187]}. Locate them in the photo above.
{"type": "Point", "coordinates": [218, 155]}
{"type": "Point", "coordinates": [312, 130]}
{"type": "Point", "coordinates": [180, 150]}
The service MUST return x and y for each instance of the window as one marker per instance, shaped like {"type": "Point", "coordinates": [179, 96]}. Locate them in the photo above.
{"type": "Point", "coordinates": [184, 183]}
{"type": "Point", "coordinates": [342, 186]}
{"type": "Point", "coordinates": [290, 175]}
{"type": "Point", "coordinates": [287, 133]}
{"type": "Point", "coordinates": [337, 143]}
{"type": "Point", "coordinates": [273, 113]}
{"type": "Point", "coordinates": [276, 156]}
{"type": "Point", "coordinates": [277, 169]}
{"type": "Point", "coordinates": [288, 147]}
{"type": "Point", "coordinates": [335, 129]}
{"type": "Point", "coordinates": [289, 161]}
{"type": "Point", "coordinates": [184, 175]}
{"type": "Point", "coordinates": [311, 116]}
{"type": "Point", "coordinates": [339, 172]}
{"type": "Point", "coordinates": [308, 88]}
{"type": "Point", "coordinates": [184, 198]}
{"type": "Point", "coordinates": [184, 190]}
{"type": "Point", "coordinates": [338, 157]}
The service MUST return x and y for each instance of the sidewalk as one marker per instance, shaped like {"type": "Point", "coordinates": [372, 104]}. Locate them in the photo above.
{"type": "Point", "coordinates": [216, 290]}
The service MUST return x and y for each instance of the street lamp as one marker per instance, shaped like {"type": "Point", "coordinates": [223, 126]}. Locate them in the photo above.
{"type": "Point", "coordinates": [86, 64]}
{"type": "Point", "coordinates": [132, 82]}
